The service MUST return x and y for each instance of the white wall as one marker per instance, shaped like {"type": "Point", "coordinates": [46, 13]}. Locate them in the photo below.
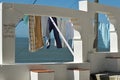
{"type": "Point", "coordinates": [13, 72]}
{"type": "Point", "coordinates": [8, 37]}
{"type": "Point", "coordinates": [113, 65]}
{"type": "Point", "coordinates": [83, 5]}
{"type": "Point", "coordinates": [1, 74]}
{"type": "Point", "coordinates": [85, 22]}
{"type": "Point", "coordinates": [14, 16]}
{"type": "Point", "coordinates": [1, 51]}
{"type": "Point", "coordinates": [113, 39]}
{"type": "Point", "coordinates": [60, 70]}
{"type": "Point", "coordinates": [113, 14]}
{"type": "Point", "coordinates": [21, 72]}
{"type": "Point", "coordinates": [97, 62]}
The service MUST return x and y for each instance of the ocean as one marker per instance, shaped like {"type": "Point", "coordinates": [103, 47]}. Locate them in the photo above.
{"type": "Point", "coordinates": [53, 54]}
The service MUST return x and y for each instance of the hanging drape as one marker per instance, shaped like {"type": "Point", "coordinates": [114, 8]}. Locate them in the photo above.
{"type": "Point", "coordinates": [35, 33]}
{"type": "Point", "coordinates": [103, 37]}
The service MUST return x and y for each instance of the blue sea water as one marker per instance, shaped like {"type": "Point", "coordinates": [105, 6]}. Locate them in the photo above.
{"type": "Point", "coordinates": [53, 54]}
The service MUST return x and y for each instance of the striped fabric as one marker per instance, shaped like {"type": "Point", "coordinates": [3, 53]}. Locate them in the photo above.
{"type": "Point", "coordinates": [35, 33]}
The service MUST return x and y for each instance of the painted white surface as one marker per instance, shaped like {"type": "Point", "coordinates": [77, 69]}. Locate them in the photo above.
{"type": "Point", "coordinates": [78, 50]}
{"type": "Point", "coordinates": [113, 42]}
{"type": "Point", "coordinates": [97, 62]}
{"type": "Point", "coordinates": [22, 72]}
{"type": "Point", "coordinates": [1, 49]}
{"type": "Point", "coordinates": [33, 76]}
{"type": "Point", "coordinates": [113, 39]}
{"type": "Point", "coordinates": [85, 75]}
{"type": "Point", "coordinates": [42, 76]}
{"type": "Point", "coordinates": [1, 74]}
{"type": "Point", "coordinates": [46, 76]}
{"type": "Point", "coordinates": [73, 75]}
{"type": "Point", "coordinates": [76, 34]}
{"type": "Point", "coordinates": [83, 5]}
{"type": "Point", "coordinates": [112, 28]}
{"type": "Point", "coordinates": [78, 75]}
{"type": "Point", "coordinates": [77, 43]}
{"type": "Point", "coordinates": [113, 65]}
{"type": "Point", "coordinates": [86, 27]}
{"type": "Point", "coordinates": [9, 50]}
{"type": "Point", "coordinates": [13, 72]}
{"type": "Point", "coordinates": [60, 71]}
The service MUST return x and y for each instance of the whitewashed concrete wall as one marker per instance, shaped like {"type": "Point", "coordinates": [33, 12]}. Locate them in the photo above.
{"type": "Point", "coordinates": [97, 62]}
{"type": "Point", "coordinates": [22, 72]}
{"type": "Point", "coordinates": [1, 74]}
{"type": "Point", "coordinates": [13, 72]}
{"type": "Point", "coordinates": [83, 5]}
{"type": "Point", "coordinates": [60, 69]}
{"type": "Point", "coordinates": [1, 51]}
{"type": "Point", "coordinates": [113, 39]}
{"type": "Point", "coordinates": [112, 12]}
{"type": "Point", "coordinates": [16, 11]}
{"type": "Point", "coordinates": [112, 65]}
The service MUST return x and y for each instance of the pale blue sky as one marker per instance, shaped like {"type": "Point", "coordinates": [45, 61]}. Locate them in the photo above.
{"type": "Point", "coordinates": [64, 3]}
{"type": "Point", "coordinates": [73, 4]}
{"type": "Point", "coordinates": [58, 3]}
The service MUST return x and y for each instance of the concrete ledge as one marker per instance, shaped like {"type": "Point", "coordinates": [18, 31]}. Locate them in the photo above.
{"type": "Point", "coordinates": [112, 57]}
{"type": "Point", "coordinates": [42, 70]}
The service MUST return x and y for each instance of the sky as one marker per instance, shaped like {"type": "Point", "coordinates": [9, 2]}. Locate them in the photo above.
{"type": "Point", "coordinates": [64, 3]}
{"type": "Point", "coordinates": [72, 4]}
{"type": "Point", "coordinates": [114, 3]}
{"type": "Point", "coordinates": [59, 3]}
